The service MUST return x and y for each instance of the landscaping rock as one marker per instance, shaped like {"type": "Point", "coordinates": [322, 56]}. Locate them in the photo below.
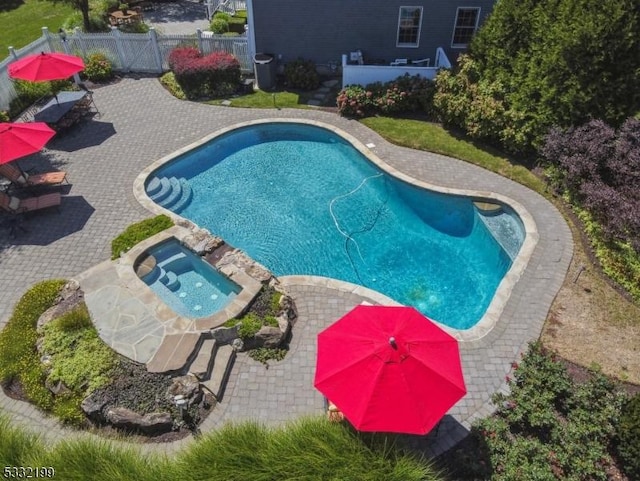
{"type": "Point", "coordinates": [154, 423]}
{"type": "Point", "coordinates": [70, 297]}
{"type": "Point", "coordinates": [288, 308]}
{"type": "Point", "coordinates": [236, 261]}
{"type": "Point", "coordinates": [186, 386]}
{"type": "Point", "coordinates": [57, 388]}
{"type": "Point", "coordinates": [268, 336]}
{"type": "Point", "coordinates": [225, 335]}
{"type": "Point", "coordinates": [93, 406]}
{"type": "Point", "coordinates": [202, 242]}
{"type": "Point", "coordinates": [237, 344]}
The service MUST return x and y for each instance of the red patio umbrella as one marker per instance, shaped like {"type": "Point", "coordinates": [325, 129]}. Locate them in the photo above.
{"type": "Point", "coordinates": [42, 67]}
{"type": "Point", "coordinates": [389, 369]}
{"type": "Point", "coordinates": [20, 139]}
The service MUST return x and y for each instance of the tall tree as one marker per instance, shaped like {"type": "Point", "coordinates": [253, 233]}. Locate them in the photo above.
{"type": "Point", "coordinates": [560, 62]}
{"type": "Point", "coordinates": [83, 7]}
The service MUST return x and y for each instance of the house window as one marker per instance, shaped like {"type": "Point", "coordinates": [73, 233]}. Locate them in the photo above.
{"type": "Point", "coordinates": [409, 22]}
{"type": "Point", "coordinates": [465, 26]}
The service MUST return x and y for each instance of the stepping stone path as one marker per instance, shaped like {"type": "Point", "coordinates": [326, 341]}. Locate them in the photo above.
{"type": "Point", "coordinates": [320, 96]}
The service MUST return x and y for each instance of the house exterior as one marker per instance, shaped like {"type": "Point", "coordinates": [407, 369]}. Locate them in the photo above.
{"type": "Point", "coordinates": [382, 30]}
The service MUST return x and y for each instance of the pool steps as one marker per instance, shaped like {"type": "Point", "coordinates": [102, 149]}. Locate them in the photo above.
{"type": "Point", "coordinates": [170, 192]}
{"type": "Point", "coordinates": [167, 277]}
{"type": "Point", "coordinates": [199, 355]}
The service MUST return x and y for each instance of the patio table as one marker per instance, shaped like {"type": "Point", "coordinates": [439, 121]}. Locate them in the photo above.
{"type": "Point", "coordinates": [53, 111]}
{"type": "Point", "coordinates": [119, 17]}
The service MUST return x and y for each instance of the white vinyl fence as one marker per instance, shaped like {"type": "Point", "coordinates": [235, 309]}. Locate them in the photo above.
{"type": "Point", "coordinates": [367, 74]}
{"type": "Point", "coordinates": [128, 52]}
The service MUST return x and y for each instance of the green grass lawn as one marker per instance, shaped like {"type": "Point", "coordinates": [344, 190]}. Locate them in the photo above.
{"type": "Point", "coordinates": [421, 135]}
{"type": "Point", "coordinates": [21, 22]}
{"type": "Point", "coordinates": [267, 100]}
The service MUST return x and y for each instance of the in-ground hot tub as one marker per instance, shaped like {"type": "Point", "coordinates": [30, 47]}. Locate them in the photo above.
{"type": "Point", "coordinates": [188, 284]}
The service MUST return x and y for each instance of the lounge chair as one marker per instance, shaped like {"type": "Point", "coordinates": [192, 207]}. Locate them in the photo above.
{"type": "Point", "coordinates": [22, 179]}
{"type": "Point", "coordinates": [14, 205]}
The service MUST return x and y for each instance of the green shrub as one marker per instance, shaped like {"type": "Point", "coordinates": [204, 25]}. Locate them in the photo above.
{"type": "Point", "coordinates": [267, 302]}
{"type": "Point", "coordinates": [67, 408]}
{"type": "Point", "coordinates": [219, 26]}
{"type": "Point", "coordinates": [134, 27]}
{"type": "Point", "coordinates": [4, 116]}
{"type": "Point", "coordinates": [138, 232]}
{"type": "Point", "coordinates": [475, 105]}
{"type": "Point", "coordinates": [404, 94]}
{"type": "Point", "coordinates": [74, 320]}
{"type": "Point", "coordinates": [79, 358]}
{"type": "Point", "coordinates": [265, 354]}
{"type": "Point", "coordinates": [172, 85]}
{"type": "Point", "coordinates": [28, 93]}
{"type": "Point", "coordinates": [19, 359]}
{"type": "Point", "coordinates": [618, 259]}
{"type": "Point", "coordinates": [302, 74]}
{"type": "Point", "coordinates": [98, 67]}
{"type": "Point", "coordinates": [250, 325]}
{"type": "Point", "coordinates": [628, 437]}
{"type": "Point", "coordinates": [222, 16]}
{"type": "Point", "coordinates": [549, 428]}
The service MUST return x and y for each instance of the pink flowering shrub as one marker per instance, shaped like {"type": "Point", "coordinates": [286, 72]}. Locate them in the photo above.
{"type": "Point", "coordinates": [355, 101]}
{"type": "Point", "coordinates": [214, 75]}
{"type": "Point", "coordinates": [405, 94]}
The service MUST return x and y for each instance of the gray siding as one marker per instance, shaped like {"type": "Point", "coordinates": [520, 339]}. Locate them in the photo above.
{"type": "Point", "coordinates": [323, 30]}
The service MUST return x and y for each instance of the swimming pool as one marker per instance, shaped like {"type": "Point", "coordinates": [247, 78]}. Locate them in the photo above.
{"type": "Point", "coordinates": [189, 285]}
{"type": "Point", "coordinates": [302, 200]}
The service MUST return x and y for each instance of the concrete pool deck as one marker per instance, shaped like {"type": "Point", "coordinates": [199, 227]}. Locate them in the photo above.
{"type": "Point", "coordinates": [141, 123]}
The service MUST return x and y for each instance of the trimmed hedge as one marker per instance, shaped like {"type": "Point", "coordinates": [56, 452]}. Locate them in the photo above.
{"type": "Point", "coordinates": [213, 75]}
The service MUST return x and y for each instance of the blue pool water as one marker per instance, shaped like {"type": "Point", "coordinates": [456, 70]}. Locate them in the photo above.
{"type": "Point", "coordinates": [302, 200]}
{"type": "Point", "coordinates": [187, 283]}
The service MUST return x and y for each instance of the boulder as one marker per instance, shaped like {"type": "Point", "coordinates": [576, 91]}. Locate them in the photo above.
{"type": "Point", "coordinates": [225, 335]}
{"type": "Point", "coordinates": [186, 386]}
{"type": "Point", "coordinates": [93, 406]}
{"type": "Point", "coordinates": [154, 423]}
{"type": "Point", "coordinates": [268, 336]}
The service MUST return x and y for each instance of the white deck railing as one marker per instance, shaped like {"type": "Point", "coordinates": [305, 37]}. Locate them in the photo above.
{"type": "Point", "coordinates": [228, 6]}
{"type": "Point", "coordinates": [367, 74]}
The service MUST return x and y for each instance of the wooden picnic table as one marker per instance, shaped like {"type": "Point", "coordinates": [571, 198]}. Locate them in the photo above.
{"type": "Point", "coordinates": [118, 17]}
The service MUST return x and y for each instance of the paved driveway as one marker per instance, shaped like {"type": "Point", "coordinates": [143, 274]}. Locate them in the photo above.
{"type": "Point", "coordinates": [139, 123]}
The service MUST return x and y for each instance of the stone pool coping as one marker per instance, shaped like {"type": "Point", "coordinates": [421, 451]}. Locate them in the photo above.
{"type": "Point", "coordinates": [506, 285]}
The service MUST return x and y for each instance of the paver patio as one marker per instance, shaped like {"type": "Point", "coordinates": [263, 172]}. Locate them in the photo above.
{"type": "Point", "coordinates": [140, 123]}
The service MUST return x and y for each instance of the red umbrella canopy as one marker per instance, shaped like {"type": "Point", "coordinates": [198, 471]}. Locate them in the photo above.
{"type": "Point", "coordinates": [18, 139]}
{"type": "Point", "coordinates": [389, 369]}
{"type": "Point", "coordinates": [42, 67]}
